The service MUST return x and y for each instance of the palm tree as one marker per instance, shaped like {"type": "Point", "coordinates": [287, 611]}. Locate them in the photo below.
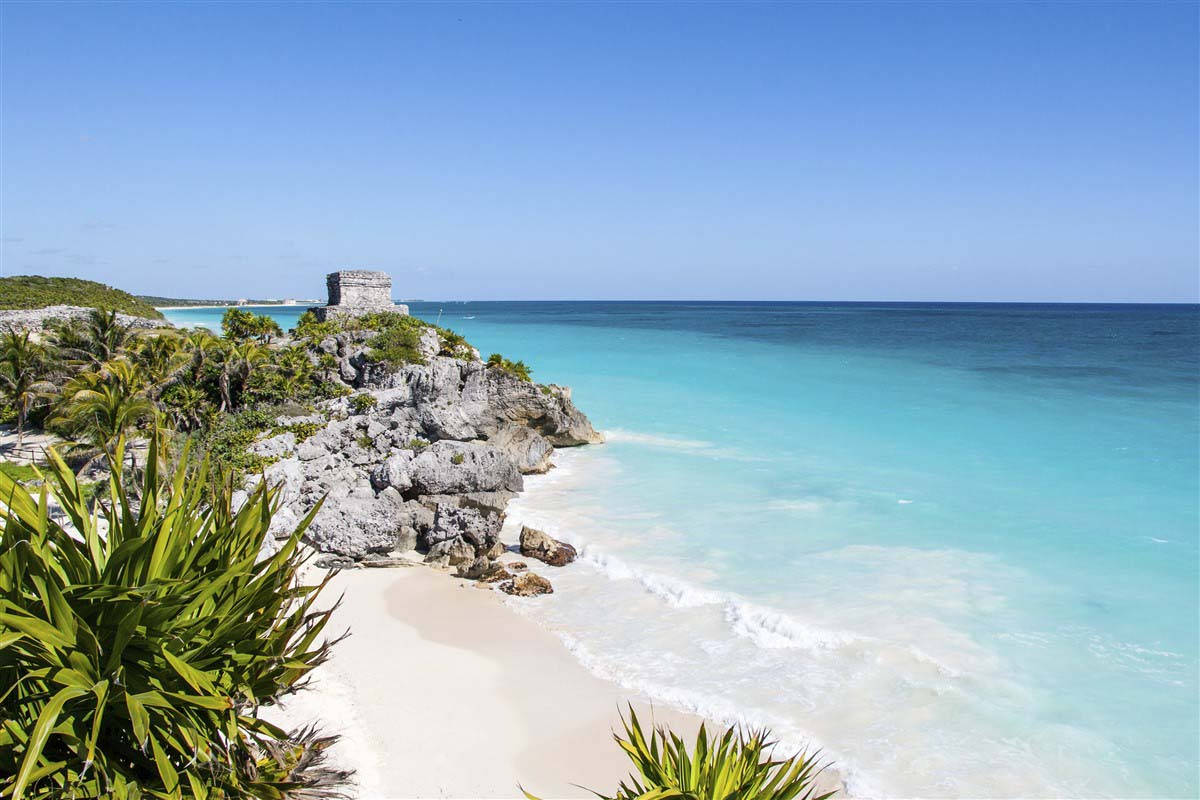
{"type": "Point", "coordinates": [160, 355]}
{"type": "Point", "coordinates": [237, 364]}
{"type": "Point", "coordinates": [98, 408]}
{"type": "Point", "coordinates": [266, 328]}
{"type": "Point", "coordinates": [185, 405]}
{"type": "Point", "coordinates": [294, 368]}
{"type": "Point", "coordinates": [108, 335]}
{"type": "Point", "coordinates": [99, 337]}
{"type": "Point", "coordinates": [22, 362]}
{"type": "Point", "coordinates": [201, 344]}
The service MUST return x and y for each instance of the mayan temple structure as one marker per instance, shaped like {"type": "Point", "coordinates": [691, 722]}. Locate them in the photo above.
{"type": "Point", "coordinates": [355, 292]}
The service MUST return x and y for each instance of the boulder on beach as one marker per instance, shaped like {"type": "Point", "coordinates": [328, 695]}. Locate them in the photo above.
{"type": "Point", "coordinates": [545, 548]}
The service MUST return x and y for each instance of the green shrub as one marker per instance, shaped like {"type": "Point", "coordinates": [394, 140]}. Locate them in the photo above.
{"type": "Point", "coordinates": [416, 444]}
{"type": "Point", "coordinates": [301, 430]}
{"type": "Point", "coordinates": [738, 766]}
{"type": "Point", "coordinates": [457, 458]}
{"type": "Point", "coordinates": [362, 402]}
{"type": "Point", "coordinates": [312, 330]}
{"type": "Point", "coordinates": [366, 442]}
{"type": "Point", "coordinates": [453, 344]}
{"type": "Point", "coordinates": [136, 646]}
{"type": "Point", "coordinates": [227, 440]}
{"type": "Point", "coordinates": [395, 343]}
{"type": "Point", "coordinates": [328, 390]}
{"type": "Point", "coordinates": [35, 291]}
{"type": "Point", "coordinates": [516, 368]}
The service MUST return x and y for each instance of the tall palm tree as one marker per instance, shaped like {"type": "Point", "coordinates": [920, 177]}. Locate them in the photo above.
{"type": "Point", "coordinates": [98, 408]}
{"type": "Point", "coordinates": [22, 364]}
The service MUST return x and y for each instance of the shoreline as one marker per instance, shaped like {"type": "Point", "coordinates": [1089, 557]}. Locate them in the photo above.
{"type": "Point", "coordinates": [236, 305]}
{"type": "Point", "coordinates": [441, 672]}
{"type": "Point", "coordinates": [465, 699]}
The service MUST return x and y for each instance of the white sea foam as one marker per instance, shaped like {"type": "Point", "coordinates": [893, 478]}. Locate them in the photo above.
{"type": "Point", "coordinates": [770, 628]}
{"type": "Point", "coordinates": [805, 506]}
{"type": "Point", "coordinates": [677, 593]}
{"type": "Point", "coordinates": [655, 440]}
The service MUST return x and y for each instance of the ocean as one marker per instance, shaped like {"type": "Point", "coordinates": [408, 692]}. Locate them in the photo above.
{"type": "Point", "coordinates": [957, 546]}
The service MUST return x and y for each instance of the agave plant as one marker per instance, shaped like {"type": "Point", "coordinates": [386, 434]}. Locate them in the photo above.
{"type": "Point", "coordinates": [137, 641]}
{"type": "Point", "coordinates": [739, 765]}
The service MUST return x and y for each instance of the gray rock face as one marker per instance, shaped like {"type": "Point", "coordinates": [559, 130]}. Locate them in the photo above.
{"type": "Point", "coordinates": [551, 413]}
{"type": "Point", "coordinates": [430, 466]}
{"type": "Point", "coordinates": [355, 526]}
{"type": "Point", "coordinates": [34, 318]}
{"type": "Point", "coordinates": [478, 529]}
{"type": "Point", "coordinates": [395, 471]}
{"type": "Point", "coordinates": [275, 446]}
{"type": "Point", "coordinates": [528, 449]}
{"type": "Point", "coordinates": [450, 553]}
{"type": "Point", "coordinates": [450, 467]}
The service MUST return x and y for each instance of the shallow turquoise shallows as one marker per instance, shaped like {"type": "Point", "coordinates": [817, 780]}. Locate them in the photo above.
{"type": "Point", "coordinates": [954, 545]}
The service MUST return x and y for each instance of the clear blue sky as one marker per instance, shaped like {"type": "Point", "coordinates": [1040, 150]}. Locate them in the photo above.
{"type": "Point", "coordinates": [792, 151]}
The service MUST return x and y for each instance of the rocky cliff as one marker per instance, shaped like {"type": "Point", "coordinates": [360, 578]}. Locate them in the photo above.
{"type": "Point", "coordinates": [429, 465]}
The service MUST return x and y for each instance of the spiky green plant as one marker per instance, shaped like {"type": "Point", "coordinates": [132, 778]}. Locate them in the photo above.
{"type": "Point", "coordinates": [137, 641]}
{"type": "Point", "coordinates": [740, 765]}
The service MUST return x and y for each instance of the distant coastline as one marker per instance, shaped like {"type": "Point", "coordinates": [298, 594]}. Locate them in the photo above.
{"type": "Point", "coordinates": [298, 304]}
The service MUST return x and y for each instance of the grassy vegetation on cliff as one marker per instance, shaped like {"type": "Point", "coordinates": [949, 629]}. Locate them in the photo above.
{"type": "Point", "coordinates": [35, 291]}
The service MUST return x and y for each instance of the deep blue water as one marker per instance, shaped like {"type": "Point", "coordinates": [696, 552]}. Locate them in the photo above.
{"type": "Point", "coordinates": [956, 544]}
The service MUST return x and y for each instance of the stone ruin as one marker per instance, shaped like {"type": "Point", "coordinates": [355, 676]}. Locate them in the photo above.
{"type": "Point", "coordinates": [355, 292]}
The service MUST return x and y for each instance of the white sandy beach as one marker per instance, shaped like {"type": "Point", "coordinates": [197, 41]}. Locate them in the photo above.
{"type": "Point", "coordinates": [442, 691]}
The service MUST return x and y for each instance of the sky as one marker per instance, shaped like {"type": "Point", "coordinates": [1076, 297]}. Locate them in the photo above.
{"type": "Point", "coordinates": [820, 151]}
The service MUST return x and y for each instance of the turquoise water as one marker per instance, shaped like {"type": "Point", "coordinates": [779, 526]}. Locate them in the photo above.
{"type": "Point", "coordinates": [955, 545]}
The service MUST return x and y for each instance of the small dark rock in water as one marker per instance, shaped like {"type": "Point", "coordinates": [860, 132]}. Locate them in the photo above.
{"type": "Point", "coordinates": [536, 544]}
{"type": "Point", "coordinates": [518, 566]}
{"type": "Point", "coordinates": [527, 585]}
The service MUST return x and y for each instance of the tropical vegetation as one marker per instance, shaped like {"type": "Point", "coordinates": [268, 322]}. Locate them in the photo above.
{"type": "Point", "coordinates": [139, 641]}
{"type": "Point", "coordinates": [35, 291]}
{"type": "Point", "coordinates": [516, 368]}
{"type": "Point", "coordinates": [737, 765]}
